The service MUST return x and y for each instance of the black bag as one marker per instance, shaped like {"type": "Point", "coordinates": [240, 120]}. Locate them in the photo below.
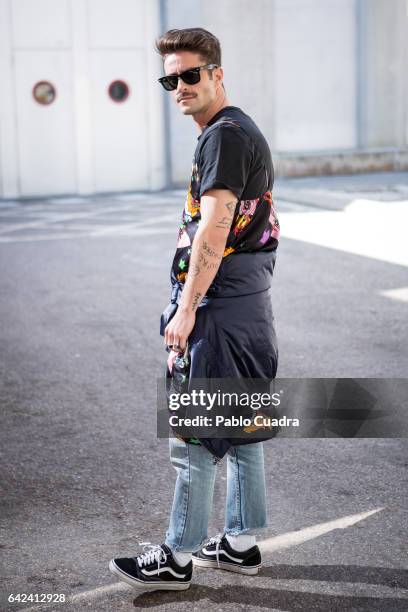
{"type": "Point", "coordinates": [167, 315]}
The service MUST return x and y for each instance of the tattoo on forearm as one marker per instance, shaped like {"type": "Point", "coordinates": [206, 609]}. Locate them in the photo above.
{"type": "Point", "coordinates": [205, 263]}
{"type": "Point", "coordinates": [202, 259]}
{"type": "Point", "coordinates": [194, 269]}
{"type": "Point", "coordinates": [196, 300]}
{"type": "Point", "coordinates": [209, 250]}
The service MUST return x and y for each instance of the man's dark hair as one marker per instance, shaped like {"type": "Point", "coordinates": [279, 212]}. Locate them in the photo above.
{"type": "Point", "coordinates": [196, 40]}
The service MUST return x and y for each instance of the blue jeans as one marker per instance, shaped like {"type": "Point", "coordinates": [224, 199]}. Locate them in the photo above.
{"type": "Point", "coordinates": [246, 496]}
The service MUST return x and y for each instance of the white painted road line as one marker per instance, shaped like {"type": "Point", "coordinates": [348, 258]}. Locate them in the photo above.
{"type": "Point", "coordinates": [293, 538]}
{"type": "Point", "coordinates": [67, 200]}
{"type": "Point", "coordinates": [400, 294]}
{"type": "Point", "coordinates": [154, 231]}
{"type": "Point", "coordinates": [364, 227]}
{"type": "Point", "coordinates": [368, 228]}
{"type": "Point", "coordinates": [285, 540]}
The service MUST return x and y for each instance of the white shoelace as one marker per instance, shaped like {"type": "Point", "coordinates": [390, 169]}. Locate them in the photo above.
{"type": "Point", "coordinates": [156, 553]}
{"type": "Point", "coordinates": [217, 541]}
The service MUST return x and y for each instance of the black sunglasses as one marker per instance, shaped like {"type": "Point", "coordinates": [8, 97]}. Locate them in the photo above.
{"type": "Point", "coordinates": [190, 77]}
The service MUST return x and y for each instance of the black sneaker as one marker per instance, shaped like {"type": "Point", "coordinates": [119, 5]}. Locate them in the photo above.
{"type": "Point", "coordinates": [153, 570]}
{"type": "Point", "coordinates": [217, 553]}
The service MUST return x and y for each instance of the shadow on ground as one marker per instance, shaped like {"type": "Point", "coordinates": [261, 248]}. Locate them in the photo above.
{"type": "Point", "coordinates": [295, 600]}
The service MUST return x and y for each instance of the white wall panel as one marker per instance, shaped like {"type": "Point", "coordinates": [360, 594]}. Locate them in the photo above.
{"type": "Point", "coordinates": [8, 121]}
{"type": "Point", "coordinates": [384, 73]}
{"type": "Point", "coordinates": [247, 55]}
{"type": "Point", "coordinates": [315, 63]}
{"type": "Point", "coordinates": [45, 133]}
{"type": "Point", "coordinates": [119, 130]}
{"type": "Point", "coordinates": [118, 23]}
{"type": "Point", "coordinates": [40, 23]}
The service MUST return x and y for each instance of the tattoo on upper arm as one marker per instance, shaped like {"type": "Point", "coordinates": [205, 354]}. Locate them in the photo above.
{"type": "Point", "coordinates": [226, 220]}
{"type": "Point", "coordinates": [230, 207]}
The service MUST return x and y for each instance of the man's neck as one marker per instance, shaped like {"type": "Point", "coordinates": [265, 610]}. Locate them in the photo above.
{"type": "Point", "coordinates": [201, 119]}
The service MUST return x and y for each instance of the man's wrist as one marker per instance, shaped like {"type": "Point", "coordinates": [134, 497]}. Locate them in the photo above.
{"type": "Point", "coordinates": [190, 304]}
{"type": "Point", "coordinates": [185, 308]}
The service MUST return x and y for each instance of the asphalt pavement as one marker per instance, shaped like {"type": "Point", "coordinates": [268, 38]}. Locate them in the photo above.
{"type": "Point", "coordinates": [84, 477]}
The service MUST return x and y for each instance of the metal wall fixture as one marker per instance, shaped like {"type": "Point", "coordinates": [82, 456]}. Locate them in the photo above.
{"type": "Point", "coordinates": [44, 92]}
{"type": "Point", "coordinates": [118, 91]}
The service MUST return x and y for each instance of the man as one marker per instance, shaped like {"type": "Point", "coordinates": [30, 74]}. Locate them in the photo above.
{"type": "Point", "coordinates": [221, 305]}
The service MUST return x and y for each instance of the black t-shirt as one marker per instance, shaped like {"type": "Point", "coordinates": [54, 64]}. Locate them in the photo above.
{"type": "Point", "coordinates": [231, 153]}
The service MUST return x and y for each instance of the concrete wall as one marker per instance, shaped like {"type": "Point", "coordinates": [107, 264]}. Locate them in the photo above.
{"type": "Point", "coordinates": [383, 77]}
{"type": "Point", "coordinates": [325, 80]}
{"type": "Point", "coordinates": [315, 58]}
{"type": "Point", "coordinates": [83, 141]}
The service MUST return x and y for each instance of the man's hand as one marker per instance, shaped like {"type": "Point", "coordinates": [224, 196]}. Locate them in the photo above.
{"type": "Point", "coordinates": [179, 329]}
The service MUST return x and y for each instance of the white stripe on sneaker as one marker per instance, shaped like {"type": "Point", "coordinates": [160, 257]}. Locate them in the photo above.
{"type": "Point", "coordinates": [162, 569]}
{"type": "Point", "coordinates": [211, 553]}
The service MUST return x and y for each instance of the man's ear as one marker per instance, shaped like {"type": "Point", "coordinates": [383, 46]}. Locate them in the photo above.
{"type": "Point", "coordinates": [219, 75]}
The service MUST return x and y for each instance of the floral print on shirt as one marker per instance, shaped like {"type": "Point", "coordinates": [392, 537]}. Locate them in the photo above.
{"type": "Point", "coordinates": [255, 227]}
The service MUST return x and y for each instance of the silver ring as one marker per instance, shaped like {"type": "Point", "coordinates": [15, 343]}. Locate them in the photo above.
{"type": "Point", "coordinates": [175, 347]}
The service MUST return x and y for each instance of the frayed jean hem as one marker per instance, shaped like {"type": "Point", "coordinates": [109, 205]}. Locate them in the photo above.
{"type": "Point", "coordinates": [188, 549]}
{"type": "Point", "coordinates": [248, 531]}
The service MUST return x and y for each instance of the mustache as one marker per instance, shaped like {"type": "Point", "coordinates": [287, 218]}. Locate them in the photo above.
{"type": "Point", "coordinates": [185, 95]}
